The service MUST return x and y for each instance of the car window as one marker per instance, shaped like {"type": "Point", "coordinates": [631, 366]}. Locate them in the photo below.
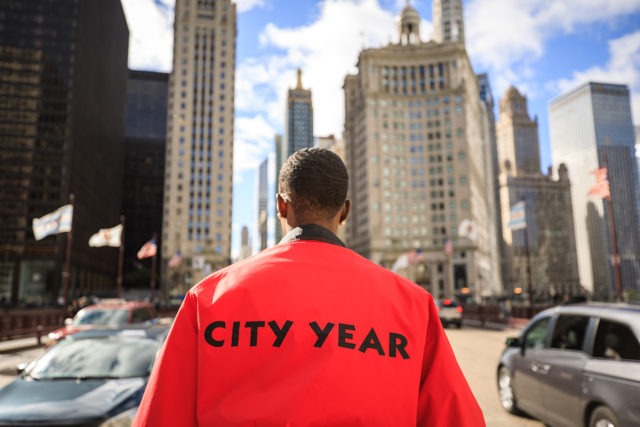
{"type": "Point", "coordinates": [537, 334]}
{"type": "Point", "coordinates": [99, 316]}
{"type": "Point", "coordinates": [140, 315]}
{"type": "Point", "coordinates": [616, 341]}
{"type": "Point", "coordinates": [569, 332]}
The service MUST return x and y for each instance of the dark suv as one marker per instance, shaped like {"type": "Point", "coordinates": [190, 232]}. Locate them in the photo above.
{"type": "Point", "coordinates": [575, 365]}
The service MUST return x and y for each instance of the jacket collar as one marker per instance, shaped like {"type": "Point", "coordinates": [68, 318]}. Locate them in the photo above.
{"type": "Point", "coordinates": [312, 232]}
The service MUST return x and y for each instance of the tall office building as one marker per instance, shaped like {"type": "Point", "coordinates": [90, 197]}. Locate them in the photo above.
{"type": "Point", "coordinates": [245, 244]}
{"type": "Point", "coordinates": [279, 149]}
{"type": "Point", "coordinates": [448, 21]}
{"type": "Point", "coordinates": [419, 157]}
{"type": "Point", "coordinates": [549, 245]}
{"type": "Point", "coordinates": [145, 148]}
{"type": "Point", "coordinates": [263, 202]}
{"type": "Point", "coordinates": [63, 77]}
{"type": "Point", "coordinates": [299, 119]}
{"type": "Point", "coordinates": [591, 128]}
{"type": "Point", "coordinates": [199, 161]}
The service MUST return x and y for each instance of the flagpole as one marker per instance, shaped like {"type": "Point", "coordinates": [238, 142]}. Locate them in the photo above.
{"type": "Point", "coordinates": [67, 268]}
{"type": "Point", "coordinates": [120, 258]}
{"type": "Point", "coordinates": [617, 274]}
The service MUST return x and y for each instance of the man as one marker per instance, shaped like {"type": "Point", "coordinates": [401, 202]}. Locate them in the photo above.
{"type": "Point", "coordinates": [308, 333]}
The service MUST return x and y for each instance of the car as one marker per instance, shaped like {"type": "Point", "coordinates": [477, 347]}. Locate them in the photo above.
{"type": "Point", "coordinates": [108, 313]}
{"type": "Point", "coordinates": [575, 365]}
{"type": "Point", "coordinates": [450, 312]}
{"type": "Point", "coordinates": [93, 378]}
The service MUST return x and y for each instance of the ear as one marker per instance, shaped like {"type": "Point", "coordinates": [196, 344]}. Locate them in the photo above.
{"type": "Point", "coordinates": [281, 206]}
{"type": "Point", "coordinates": [344, 212]}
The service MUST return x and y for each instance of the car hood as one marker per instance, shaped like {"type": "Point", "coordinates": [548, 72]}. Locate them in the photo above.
{"type": "Point", "coordinates": [47, 400]}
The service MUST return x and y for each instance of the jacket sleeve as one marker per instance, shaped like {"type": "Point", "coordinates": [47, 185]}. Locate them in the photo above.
{"type": "Point", "coordinates": [170, 396]}
{"type": "Point", "coordinates": [445, 396]}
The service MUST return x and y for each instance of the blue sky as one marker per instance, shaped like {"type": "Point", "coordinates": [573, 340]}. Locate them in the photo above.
{"type": "Point", "coordinates": [542, 47]}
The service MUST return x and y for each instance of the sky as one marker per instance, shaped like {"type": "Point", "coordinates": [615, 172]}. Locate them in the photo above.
{"type": "Point", "coordinates": [543, 48]}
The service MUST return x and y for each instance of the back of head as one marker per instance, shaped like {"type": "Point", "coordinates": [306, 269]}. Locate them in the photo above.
{"type": "Point", "coordinates": [316, 182]}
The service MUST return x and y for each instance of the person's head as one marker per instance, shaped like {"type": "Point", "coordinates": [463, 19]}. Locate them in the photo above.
{"type": "Point", "coordinates": [312, 189]}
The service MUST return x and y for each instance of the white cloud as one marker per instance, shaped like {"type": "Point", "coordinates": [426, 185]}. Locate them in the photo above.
{"type": "Point", "coordinates": [246, 5]}
{"type": "Point", "coordinates": [506, 37]}
{"type": "Point", "coordinates": [254, 138]}
{"type": "Point", "coordinates": [150, 34]}
{"type": "Point", "coordinates": [623, 67]}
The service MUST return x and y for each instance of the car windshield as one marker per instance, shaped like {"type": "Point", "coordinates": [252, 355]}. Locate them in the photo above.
{"type": "Point", "coordinates": [96, 358]}
{"type": "Point", "coordinates": [102, 316]}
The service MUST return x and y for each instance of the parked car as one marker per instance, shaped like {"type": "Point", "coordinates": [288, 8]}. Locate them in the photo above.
{"type": "Point", "coordinates": [450, 312]}
{"type": "Point", "coordinates": [93, 378]}
{"type": "Point", "coordinates": [108, 313]}
{"type": "Point", "coordinates": [575, 365]}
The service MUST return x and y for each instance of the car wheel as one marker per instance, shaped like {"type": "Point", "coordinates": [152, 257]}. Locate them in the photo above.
{"type": "Point", "coordinates": [603, 417]}
{"type": "Point", "coordinates": [507, 397]}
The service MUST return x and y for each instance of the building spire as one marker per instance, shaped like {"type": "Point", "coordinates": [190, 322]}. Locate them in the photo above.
{"type": "Point", "coordinates": [299, 84]}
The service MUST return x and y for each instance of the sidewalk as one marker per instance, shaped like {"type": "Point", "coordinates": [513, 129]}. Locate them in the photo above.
{"type": "Point", "coordinates": [9, 346]}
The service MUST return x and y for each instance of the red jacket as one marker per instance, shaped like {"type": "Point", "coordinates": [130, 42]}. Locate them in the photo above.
{"type": "Point", "coordinates": [307, 333]}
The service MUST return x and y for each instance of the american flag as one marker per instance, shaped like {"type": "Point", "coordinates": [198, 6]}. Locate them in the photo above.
{"type": "Point", "coordinates": [148, 250]}
{"type": "Point", "coordinates": [601, 187]}
{"type": "Point", "coordinates": [175, 260]}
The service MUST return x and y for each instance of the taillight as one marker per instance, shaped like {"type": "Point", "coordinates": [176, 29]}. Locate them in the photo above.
{"type": "Point", "coordinates": [459, 309]}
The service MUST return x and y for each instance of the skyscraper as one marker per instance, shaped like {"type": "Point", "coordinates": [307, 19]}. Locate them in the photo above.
{"type": "Point", "coordinates": [418, 153]}
{"type": "Point", "coordinates": [199, 171]}
{"type": "Point", "coordinates": [263, 194]}
{"type": "Point", "coordinates": [145, 149]}
{"type": "Point", "coordinates": [549, 245]}
{"type": "Point", "coordinates": [62, 101]}
{"type": "Point", "coordinates": [299, 119]}
{"type": "Point", "coordinates": [591, 128]}
{"type": "Point", "coordinates": [448, 21]}
{"type": "Point", "coordinates": [279, 150]}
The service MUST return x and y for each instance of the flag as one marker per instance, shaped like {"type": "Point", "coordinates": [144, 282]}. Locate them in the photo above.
{"type": "Point", "coordinates": [148, 250]}
{"type": "Point", "coordinates": [448, 246]}
{"type": "Point", "coordinates": [601, 187]}
{"type": "Point", "coordinates": [401, 262]}
{"type": "Point", "coordinates": [175, 260]}
{"type": "Point", "coordinates": [58, 221]}
{"type": "Point", "coordinates": [107, 237]}
{"type": "Point", "coordinates": [467, 228]}
{"type": "Point", "coordinates": [518, 218]}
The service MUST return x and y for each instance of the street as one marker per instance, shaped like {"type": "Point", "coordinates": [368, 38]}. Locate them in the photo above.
{"type": "Point", "coordinates": [477, 351]}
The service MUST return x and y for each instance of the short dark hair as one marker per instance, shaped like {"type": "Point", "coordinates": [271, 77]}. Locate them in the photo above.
{"type": "Point", "coordinates": [317, 180]}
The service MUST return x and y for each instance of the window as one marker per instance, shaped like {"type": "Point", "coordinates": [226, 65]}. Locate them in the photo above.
{"type": "Point", "coordinates": [615, 341]}
{"type": "Point", "coordinates": [569, 332]}
{"type": "Point", "coordinates": [537, 334]}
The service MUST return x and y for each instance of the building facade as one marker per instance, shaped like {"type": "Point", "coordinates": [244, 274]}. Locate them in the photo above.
{"type": "Point", "coordinates": [263, 203]}
{"type": "Point", "coordinates": [591, 128]}
{"type": "Point", "coordinates": [549, 245]}
{"type": "Point", "coordinates": [199, 157]}
{"type": "Point", "coordinates": [299, 119]}
{"type": "Point", "coordinates": [145, 148]}
{"type": "Point", "coordinates": [279, 149]}
{"type": "Point", "coordinates": [63, 77]}
{"type": "Point", "coordinates": [418, 152]}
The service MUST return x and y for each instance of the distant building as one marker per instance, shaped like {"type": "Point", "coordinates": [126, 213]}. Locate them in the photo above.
{"type": "Point", "coordinates": [263, 194]}
{"type": "Point", "coordinates": [145, 148]}
{"type": "Point", "coordinates": [418, 151]}
{"type": "Point", "coordinates": [299, 119]}
{"type": "Point", "coordinates": [448, 21]}
{"type": "Point", "coordinates": [199, 162]}
{"type": "Point", "coordinates": [279, 150]}
{"type": "Point", "coordinates": [590, 128]}
{"type": "Point", "coordinates": [550, 238]}
{"type": "Point", "coordinates": [245, 244]}
{"type": "Point", "coordinates": [62, 101]}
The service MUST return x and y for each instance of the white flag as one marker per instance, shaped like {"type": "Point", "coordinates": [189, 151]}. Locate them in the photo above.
{"type": "Point", "coordinates": [467, 228]}
{"type": "Point", "coordinates": [107, 237]}
{"type": "Point", "coordinates": [58, 221]}
{"type": "Point", "coordinates": [401, 262]}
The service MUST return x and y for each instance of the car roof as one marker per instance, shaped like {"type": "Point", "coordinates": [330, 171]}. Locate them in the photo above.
{"type": "Point", "coordinates": [118, 303]}
{"type": "Point", "coordinates": [622, 312]}
{"type": "Point", "coordinates": [155, 331]}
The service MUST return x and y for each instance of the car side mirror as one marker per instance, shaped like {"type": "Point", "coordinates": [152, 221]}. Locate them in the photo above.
{"type": "Point", "coordinates": [513, 342]}
{"type": "Point", "coordinates": [68, 321]}
{"type": "Point", "coordinates": [21, 367]}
